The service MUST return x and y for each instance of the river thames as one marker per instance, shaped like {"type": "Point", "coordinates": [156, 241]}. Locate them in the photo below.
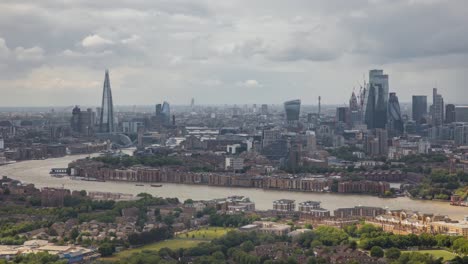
{"type": "Point", "coordinates": [37, 172]}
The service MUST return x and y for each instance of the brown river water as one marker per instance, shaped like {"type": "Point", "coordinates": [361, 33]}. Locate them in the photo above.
{"type": "Point", "coordinates": [37, 172]}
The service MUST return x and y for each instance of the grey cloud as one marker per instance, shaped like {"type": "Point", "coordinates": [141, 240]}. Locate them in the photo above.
{"type": "Point", "coordinates": [183, 48]}
{"type": "Point", "coordinates": [410, 29]}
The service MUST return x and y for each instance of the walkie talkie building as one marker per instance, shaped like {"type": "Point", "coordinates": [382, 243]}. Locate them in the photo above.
{"type": "Point", "coordinates": [292, 109]}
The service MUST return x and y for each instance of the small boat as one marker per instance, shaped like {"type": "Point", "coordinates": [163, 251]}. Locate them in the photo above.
{"type": "Point", "coordinates": [139, 185]}
{"type": "Point", "coordinates": [156, 185]}
{"type": "Point", "coordinates": [92, 179]}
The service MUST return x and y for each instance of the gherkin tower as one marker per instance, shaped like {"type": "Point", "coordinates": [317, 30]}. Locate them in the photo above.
{"type": "Point", "coordinates": [106, 117]}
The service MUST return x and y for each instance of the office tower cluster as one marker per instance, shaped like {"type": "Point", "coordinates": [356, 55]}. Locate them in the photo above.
{"type": "Point", "coordinates": [442, 124]}
{"type": "Point", "coordinates": [86, 123]}
{"type": "Point", "coordinates": [104, 124]}
{"type": "Point", "coordinates": [373, 120]}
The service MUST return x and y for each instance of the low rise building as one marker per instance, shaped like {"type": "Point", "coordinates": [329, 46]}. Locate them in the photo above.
{"type": "Point", "coordinates": [53, 197]}
{"type": "Point", "coordinates": [359, 211]}
{"type": "Point", "coordinates": [313, 209]}
{"type": "Point", "coordinates": [363, 187]}
{"type": "Point", "coordinates": [272, 228]}
{"type": "Point", "coordinates": [234, 163]}
{"type": "Point", "coordinates": [284, 205]}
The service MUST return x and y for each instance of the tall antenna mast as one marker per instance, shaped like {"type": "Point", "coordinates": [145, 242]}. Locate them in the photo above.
{"type": "Point", "coordinates": [319, 105]}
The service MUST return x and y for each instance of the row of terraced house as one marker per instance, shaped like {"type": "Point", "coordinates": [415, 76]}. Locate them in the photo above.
{"type": "Point", "coordinates": [178, 174]}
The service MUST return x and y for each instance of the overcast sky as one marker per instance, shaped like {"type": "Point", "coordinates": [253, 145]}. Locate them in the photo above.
{"type": "Point", "coordinates": [217, 51]}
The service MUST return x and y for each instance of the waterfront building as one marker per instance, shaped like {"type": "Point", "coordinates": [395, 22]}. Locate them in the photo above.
{"type": "Point", "coordinates": [419, 108]}
{"type": "Point", "coordinates": [461, 114]}
{"type": "Point", "coordinates": [292, 109]}
{"type": "Point", "coordinates": [437, 108]}
{"type": "Point", "coordinates": [286, 205]}
{"type": "Point", "coordinates": [450, 114]}
{"type": "Point", "coordinates": [363, 187]}
{"type": "Point", "coordinates": [377, 100]}
{"type": "Point", "coordinates": [411, 222]}
{"type": "Point", "coordinates": [359, 211]}
{"type": "Point", "coordinates": [313, 208]}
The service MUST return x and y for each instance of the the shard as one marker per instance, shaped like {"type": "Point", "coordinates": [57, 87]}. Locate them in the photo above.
{"type": "Point", "coordinates": [106, 117]}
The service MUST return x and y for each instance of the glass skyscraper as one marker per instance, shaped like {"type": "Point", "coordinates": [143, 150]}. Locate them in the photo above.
{"type": "Point", "coordinates": [419, 108]}
{"type": "Point", "coordinates": [376, 104]}
{"type": "Point", "coordinates": [106, 117]}
{"type": "Point", "coordinates": [395, 121]}
{"type": "Point", "coordinates": [292, 109]}
{"type": "Point", "coordinates": [437, 108]}
{"type": "Point", "coordinates": [166, 113]}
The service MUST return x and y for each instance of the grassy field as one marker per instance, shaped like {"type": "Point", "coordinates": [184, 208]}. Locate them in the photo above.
{"type": "Point", "coordinates": [438, 253]}
{"type": "Point", "coordinates": [205, 233]}
{"type": "Point", "coordinates": [171, 243]}
{"type": "Point", "coordinates": [186, 240]}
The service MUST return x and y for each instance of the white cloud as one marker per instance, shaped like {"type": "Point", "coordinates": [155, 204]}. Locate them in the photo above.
{"type": "Point", "coordinates": [245, 48]}
{"type": "Point", "coordinates": [175, 59]}
{"type": "Point", "coordinates": [4, 50]}
{"type": "Point", "coordinates": [31, 54]}
{"type": "Point", "coordinates": [95, 40]}
{"type": "Point", "coordinates": [55, 79]}
{"type": "Point", "coordinates": [212, 82]}
{"type": "Point", "coordinates": [133, 39]}
{"type": "Point", "coordinates": [298, 19]}
{"type": "Point", "coordinates": [250, 83]}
